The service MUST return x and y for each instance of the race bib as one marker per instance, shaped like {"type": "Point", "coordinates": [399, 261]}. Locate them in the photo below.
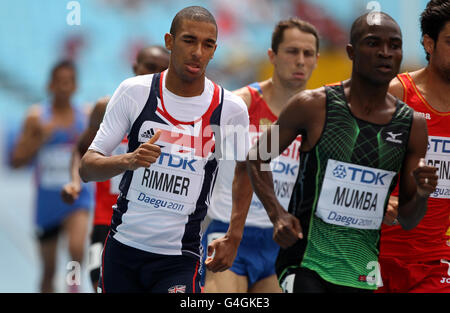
{"type": "Point", "coordinates": [438, 155]}
{"type": "Point", "coordinates": [172, 182]}
{"type": "Point", "coordinates": [54, 166]}
{"type": "Point", "coordinates": [284, 172]}
{"type": "Point", "coordinates": [353, 195]}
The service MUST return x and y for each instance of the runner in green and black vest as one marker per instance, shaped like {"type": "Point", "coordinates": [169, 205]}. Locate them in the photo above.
{"type": "Point", "coordinates": [357, 139]}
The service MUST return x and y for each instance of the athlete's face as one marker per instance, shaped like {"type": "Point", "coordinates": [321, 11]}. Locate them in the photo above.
{"type": "Point", "coordinates": [151, 61]}
{"type": "Point", "coordinates": [296, 58]}
{"type": "Point", "coordinates": [192, 47]}
{"type": "Point", "coordinates": [440, 52]}
{"type": "Point", "coordinates": [377, 54]}
{"type": "Point", "coordinates": [63, 83]}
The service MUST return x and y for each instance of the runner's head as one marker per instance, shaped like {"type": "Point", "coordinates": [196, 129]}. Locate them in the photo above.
{"type": "Point", "coordinates": [294, 51]}
{"type": "Point", "coordinates": [375, 47]}
{"type": "Point", "coordinates": [435, 25]}
{"type": "Point", "coordinates": [152, 59]}
{"type": "Point", "coordinates": [62, 82]}
{"type": "Point", "coordinates": [192, 42]}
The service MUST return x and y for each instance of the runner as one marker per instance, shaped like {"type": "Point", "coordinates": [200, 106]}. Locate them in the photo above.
{"type": "Point", "coordinates": [153, 59]}
{"type": "Point", "coordinates": [418, 260]}
{"type": "Point", "coordinates": [49, 133]}
{"type": "Point", "coordinates": [294, 54]}
{"type": "Point", "coordinates": [348, 166]}
{"type": "Point", "coordinates": [177, 124]}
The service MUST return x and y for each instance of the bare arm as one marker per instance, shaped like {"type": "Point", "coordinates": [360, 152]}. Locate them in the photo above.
{"type": "Point", "coordinates": [34, 135]}
{"type": "Point", "coordinates": [71, 190]}
{"type": "Point", "coordinates": [297, 118]}
{"type": "Point", "coordinates": [241, 198]}
{"type": "Point", "coordinates": [417, 180]}
{"type": "Point", "coordinates": [97, 167]}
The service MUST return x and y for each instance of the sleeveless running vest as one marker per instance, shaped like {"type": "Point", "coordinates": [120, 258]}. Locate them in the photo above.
{"type": "Point", "coordinates": [160, 208]}
{"type": "Point", "coordinates": [341, 193]}
{"type": "Point", "coordinates": [428, 241]}
{"type": "Point", "coordinates": [52, 172]}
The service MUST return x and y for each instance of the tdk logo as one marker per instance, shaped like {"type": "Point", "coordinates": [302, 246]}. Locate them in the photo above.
{"type": "Point", "coordinates": [175, 161]}
{"type": "Point", "coordinates": [359, 175]}
{"type": "Point", "coordinates": [284, 168]}
{"type": "Point", "coordinates": [340, 171]}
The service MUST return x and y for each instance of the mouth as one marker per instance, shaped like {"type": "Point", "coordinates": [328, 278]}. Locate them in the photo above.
{"type": "Point", "coordinates": [193, 68]}
{"type": "Point", "coordinates": [298, 75]}
{"type": "Point", "coordinates": [384, 68]}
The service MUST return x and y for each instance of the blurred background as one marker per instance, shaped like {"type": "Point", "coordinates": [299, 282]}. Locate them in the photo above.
{"type": "Point", "coordinates": [103, 40]}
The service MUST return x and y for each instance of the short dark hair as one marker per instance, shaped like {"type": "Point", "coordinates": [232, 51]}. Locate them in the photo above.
{"type": "Point", "coordinates": [142, 52]}
{"type": "Point", "coordinates": [433, 19]}
{"type": "Point", "coordinates": [293, 22]}
{"type": "Point", "coordinates": [62, 64]}
{"type": "Point", "coordinates": [356, 30]}
{"type": "Point", "coordinates": [195, 13]}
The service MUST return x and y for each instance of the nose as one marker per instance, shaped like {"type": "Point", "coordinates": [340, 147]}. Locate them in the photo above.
{"type": "Point", "coordinates": [300, 59]}
{"type": "Point", "coordinates": [197, 51]}
{"type": "Point", "coordinates": [385, 51]}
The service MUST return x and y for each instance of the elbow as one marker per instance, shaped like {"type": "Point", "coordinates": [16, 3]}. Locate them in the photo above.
{"type": "Point", "coordinates": [84, 171]}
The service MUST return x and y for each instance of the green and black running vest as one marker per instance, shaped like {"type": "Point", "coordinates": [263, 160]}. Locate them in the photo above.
{"type": "Point", "coordinates": [342, 191]}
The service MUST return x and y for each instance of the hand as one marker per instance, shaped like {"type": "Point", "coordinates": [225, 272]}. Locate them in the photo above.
{"type": "Point", "coordinates": [221, 254]}
{"type": "Point", "coordinates": [146, 154]}
{"type": "Point", "coordinates": [426, 178]}
{"type": "Point", "coordinates": [287, 230]}
{"type": "Point", "coordinates": [70, 192]}
{"type": "Point", "coordinates": [390, 218]}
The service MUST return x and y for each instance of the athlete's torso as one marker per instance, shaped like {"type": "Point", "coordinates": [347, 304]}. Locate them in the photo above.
{"type": "Point", "coordinates": [427, 241]}
{"type": "Point", "coordinates": [160, 208]}
{"type": "Point", "coordinates": [284, 169]}
{"type": "Point", "coordinates": [342, 190]}
{"type": "Point", "coordinates": [53, 159]}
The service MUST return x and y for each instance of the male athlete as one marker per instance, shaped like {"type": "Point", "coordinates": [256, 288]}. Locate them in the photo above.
{"type": "Point", "coordinates": [348, 167]}
{"type": "Point", "coordinates": [149, 60]}
{"type": "Point", "coordinates": [179, 124]}
{"type": "Point", "coordinates": [419, 260]}
{"type": "Point", "coordinates": [50, 131]}
{"type": "Point", "coordinates": [294, 53]}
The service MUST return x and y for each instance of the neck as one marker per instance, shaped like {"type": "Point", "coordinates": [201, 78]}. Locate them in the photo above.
{"type": "Point", "coordinates": [280, 93]}
{"type": "Point", "coordinates": [436, 84]}
{"type": "Point", "coordinates": [184, 88]}
{"type": "Point", "coordinates": [365, 94]}
{"type": "Point", "coordinates": [61, 103]}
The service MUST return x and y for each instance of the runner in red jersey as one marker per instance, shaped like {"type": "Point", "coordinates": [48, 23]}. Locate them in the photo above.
{"type": "Point", "coordinates": [153, 59]}
{"type": "Point", "coordinates": [419, 260]}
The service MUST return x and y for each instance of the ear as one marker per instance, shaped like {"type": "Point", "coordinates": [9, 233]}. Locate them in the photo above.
{"type": "Point", "coordinates": [271, 54]}
{"type": "Point", "coordinates": [168, 40]}
{"type": "Point", "coordinates": [317, 59]}
{"type": "Point", "coordinates": [350, 52]}
{"type": "Point", "coordinates": [135, 68]}
{"type": "Point", "coordinates": [428, 44]}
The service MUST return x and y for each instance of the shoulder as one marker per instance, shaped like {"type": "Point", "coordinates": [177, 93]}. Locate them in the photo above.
{"type": "Point", "coordinates": [34, 113]}
{"type": "Point", "coordinates": [396, 88]}
{"type": "Point", "coordinates": [234, 103]}
{"type": "Point", "coordinates": [136, 84]}
{"type": "Point", "coordinates": [244, 94]}
{"type": "Point", "coordinates": [308, 98]}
